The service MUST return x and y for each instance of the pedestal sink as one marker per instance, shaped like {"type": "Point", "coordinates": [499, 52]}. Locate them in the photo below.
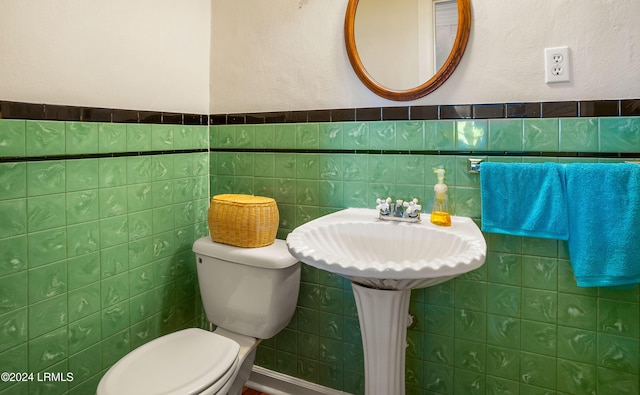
{"type": "Point", "coordinates": [385, 260]}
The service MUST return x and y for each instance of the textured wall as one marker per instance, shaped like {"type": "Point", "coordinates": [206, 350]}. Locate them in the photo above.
{"type": "Point", "coordinates": [143, 55]}
{"type": "Point", "coordinates": [223, 57]}
{"type": "Point", "coordinates": [290, 55]}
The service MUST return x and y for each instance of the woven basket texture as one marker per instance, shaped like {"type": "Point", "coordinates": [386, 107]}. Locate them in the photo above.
{"type": "Point", "coordinates": [243, 220]}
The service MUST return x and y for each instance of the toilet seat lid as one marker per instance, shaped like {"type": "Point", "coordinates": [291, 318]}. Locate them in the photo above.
{"type": "Point", "coordinates": [184, 362]}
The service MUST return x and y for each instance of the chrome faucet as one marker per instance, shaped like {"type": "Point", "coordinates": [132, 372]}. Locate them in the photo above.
{"type": "Point", "coordinates": [401, 211]}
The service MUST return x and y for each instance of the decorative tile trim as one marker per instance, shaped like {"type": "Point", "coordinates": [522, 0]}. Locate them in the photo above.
{"type": "Point", "coordinates": [37, 140]}
{"type": "Point", "coordinates": [540, 154]}
{"type": "Point", "coordinates": [588, 108]}
{"type": "Point", "coordinates": [17, 159]}
{"type": "Point", "coordinates": [461, 113]}
{"type": "Point", "coordinates": [585, 137]}
{"type": "Point", "coordinates": [51, 112]}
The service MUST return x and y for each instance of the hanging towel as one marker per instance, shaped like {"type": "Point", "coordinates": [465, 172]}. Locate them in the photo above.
{"type": "Point", "coordinates": [604, 223]}
{"type": "Point", "coordinates": [524, 199]}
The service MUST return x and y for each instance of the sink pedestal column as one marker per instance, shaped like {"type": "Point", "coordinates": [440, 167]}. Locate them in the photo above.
{"type": "Point", "coordinates": [383, 324]}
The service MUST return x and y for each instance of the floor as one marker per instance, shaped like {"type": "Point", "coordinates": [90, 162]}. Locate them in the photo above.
{"type": "Point", "coordinates": [249, 391]}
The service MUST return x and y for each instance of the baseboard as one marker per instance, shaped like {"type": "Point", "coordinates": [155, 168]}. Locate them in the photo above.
{"type": "Point", "coordinates": [274, 383]}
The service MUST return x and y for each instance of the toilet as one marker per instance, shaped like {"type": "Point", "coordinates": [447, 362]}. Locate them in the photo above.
{"type": "Point", "coordinates": [248, 293]}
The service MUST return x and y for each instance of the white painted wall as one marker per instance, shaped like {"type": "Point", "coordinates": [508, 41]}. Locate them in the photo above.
{"type": "Point", "coordinates": [142, 54]}
{"type": "Point", "coordinates": [280, 55]}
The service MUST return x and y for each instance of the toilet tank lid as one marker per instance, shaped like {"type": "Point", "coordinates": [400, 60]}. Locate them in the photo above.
{"type": "Point", "coordinates": [274, 256]}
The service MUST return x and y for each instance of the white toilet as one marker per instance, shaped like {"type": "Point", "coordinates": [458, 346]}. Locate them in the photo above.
{"type": "Point", "coordinates": [248, 293]}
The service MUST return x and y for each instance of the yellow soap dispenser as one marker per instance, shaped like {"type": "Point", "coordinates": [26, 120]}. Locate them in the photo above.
{"type": "Point", "coordinates": [440, 211]}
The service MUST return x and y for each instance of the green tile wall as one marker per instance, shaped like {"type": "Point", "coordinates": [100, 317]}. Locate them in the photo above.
{"type": "Point", "coordinates": [95, 254]}
{"type": "Point", "coordinates": [517, 325]}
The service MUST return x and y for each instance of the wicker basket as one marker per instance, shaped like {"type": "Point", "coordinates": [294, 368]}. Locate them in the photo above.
{"type": "Point", "coordinates": [243, 220]}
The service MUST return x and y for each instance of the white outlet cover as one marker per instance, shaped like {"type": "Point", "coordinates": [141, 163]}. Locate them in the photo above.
{"type": "Point", "coordinates": [557, 66]}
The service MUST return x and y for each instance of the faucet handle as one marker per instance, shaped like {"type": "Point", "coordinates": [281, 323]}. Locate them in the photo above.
{"type": "Point", "coordinates": [413, 202]}
{"type": "Point", "coordinates": [412, 207]}
{"type": "Point", "coordinates": [383, 205]}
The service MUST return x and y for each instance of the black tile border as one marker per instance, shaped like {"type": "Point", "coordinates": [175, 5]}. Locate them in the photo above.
{"type": "Point", "coordinates": [395, 113]}
{"type": "Point", "coordinates": [567, 154]}
{"type": "Point", "coordinates": [534, 154]}
{"type": "Point", "coordinates": [424, 112]}
{"type": "Point", "coordinates": [456, 112]}
{"type": "Point", "coordinates": [13, 159]}
{"type": "Point", "coordinates": [52, 112]}
{"type": "Point", "coordinates": [558, 109]}
{"type": "Point", "coordinates": [343, 115]}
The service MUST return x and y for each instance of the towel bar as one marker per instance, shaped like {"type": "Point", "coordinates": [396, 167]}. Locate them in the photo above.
{"type": "Point", "coordinates": [473, 164]}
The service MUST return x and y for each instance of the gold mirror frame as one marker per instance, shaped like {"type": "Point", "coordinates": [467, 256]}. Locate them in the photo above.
{"type": "Point", "coordinates": [449, 66]}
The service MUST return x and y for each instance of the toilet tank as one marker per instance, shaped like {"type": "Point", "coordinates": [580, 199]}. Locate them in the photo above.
{"type": "Point", "coordinates": [250, 291]}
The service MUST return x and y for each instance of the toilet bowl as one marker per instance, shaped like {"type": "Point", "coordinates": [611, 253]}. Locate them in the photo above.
{"type": "Point", "coordinates": [248, 293]}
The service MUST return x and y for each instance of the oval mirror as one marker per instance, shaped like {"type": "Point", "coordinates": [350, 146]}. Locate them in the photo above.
{"type": "Point", "coordinates": [409, 47]}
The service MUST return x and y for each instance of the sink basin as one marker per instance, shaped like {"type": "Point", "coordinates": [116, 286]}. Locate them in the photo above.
{"type": "Point", "coordinates": [388, 255]}
{"type": "Point", "coordinates": [385, 260]}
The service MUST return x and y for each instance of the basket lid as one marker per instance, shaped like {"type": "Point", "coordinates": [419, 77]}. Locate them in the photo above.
{"type": "Point", "coordinates": [243, 199]}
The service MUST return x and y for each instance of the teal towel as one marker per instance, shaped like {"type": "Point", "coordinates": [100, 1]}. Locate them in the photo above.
{"type": "Point", "coordinates": [524, 199]}
{"type": "Point", "coordinates": [603, 202]}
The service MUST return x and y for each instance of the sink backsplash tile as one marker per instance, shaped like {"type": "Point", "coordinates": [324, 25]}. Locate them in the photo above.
{"type": "Point", "coordinates": [114, 270]}
{"type": "Point", "coordinates": [517, 324]}
{"type": "Point", "coordinates": [95, 242]}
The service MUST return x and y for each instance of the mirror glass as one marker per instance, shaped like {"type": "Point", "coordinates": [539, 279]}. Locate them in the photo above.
{"type": "Point", "coordinates": [404, 49]}
{"type": "Point", "coordinates": [403, 42]}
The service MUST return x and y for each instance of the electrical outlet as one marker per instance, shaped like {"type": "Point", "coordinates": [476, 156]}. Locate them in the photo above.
{"type": "Point", "coordinates": [556, 65]}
